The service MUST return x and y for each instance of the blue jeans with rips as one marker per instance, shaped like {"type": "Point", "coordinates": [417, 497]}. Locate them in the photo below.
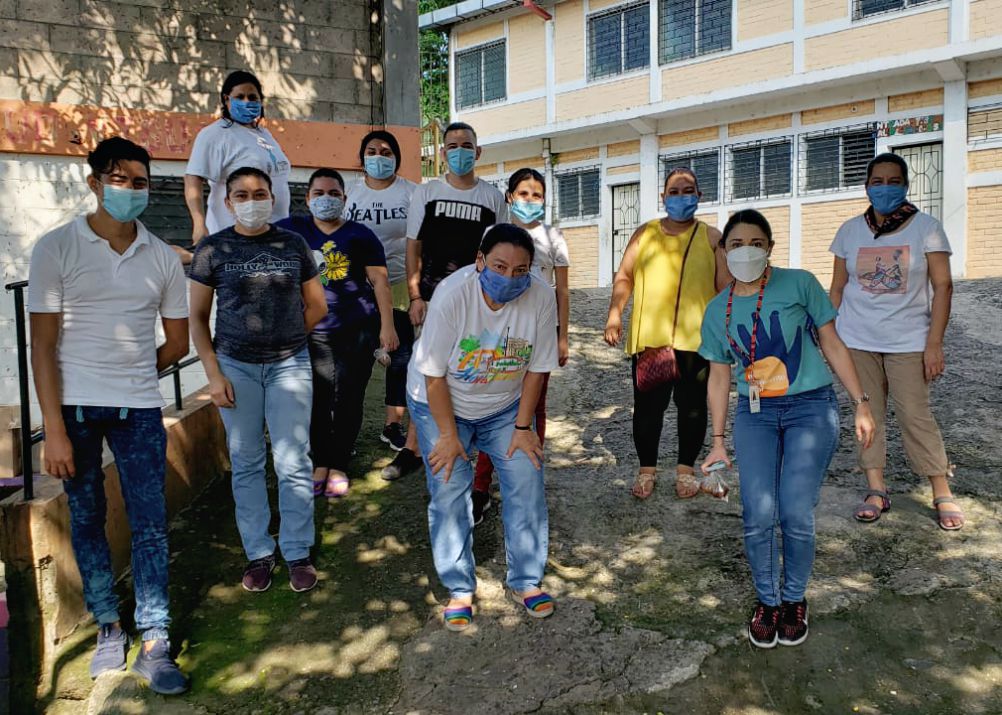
{"type": "Point", "coordinates": [783, 453]}
{"type": "Point", "coordinates": [450, 511]}
{"type": "Point", "coordinates": [138, 442]}
{"type": "Point", "coordinates": [279, 394]}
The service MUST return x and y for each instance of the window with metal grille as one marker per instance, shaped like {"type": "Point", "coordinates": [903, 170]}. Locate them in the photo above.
{"type": "Point", "coordinates": [836, 159]}
{"type": "Point", "coordinates": [758, 170]}
{"type": "Point", "coordinates": [984, 123]}
{"type": "Point", "coordinates": [579, 194]}
{"type": "Point", "coordinates": [619, 41]}
{"type": "Point", "coordinates": [689, 28]}
{"type": "Point", "coordinates": [705, 164]}
{"type": "Point", "coordinates": [866, 8]}
{"type": "Point", "coordinates": [481, 75]}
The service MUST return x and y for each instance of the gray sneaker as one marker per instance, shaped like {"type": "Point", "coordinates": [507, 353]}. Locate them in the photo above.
{"type": "Point", "coordinates": [112, 647]}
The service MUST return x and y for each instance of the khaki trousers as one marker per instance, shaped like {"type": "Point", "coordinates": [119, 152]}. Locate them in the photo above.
{"type": "Point", "coordinates": [902, 376]}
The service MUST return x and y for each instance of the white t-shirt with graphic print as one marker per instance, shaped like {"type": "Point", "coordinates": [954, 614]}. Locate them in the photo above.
{"type": "Point", "coordinates": [887, 303]}
{"type": "Point", "coordinates": [384, 212]}
{"type": "Point", "coordinates": [484, 354]}
{"type": "Point", "coordinates": [223, 147]}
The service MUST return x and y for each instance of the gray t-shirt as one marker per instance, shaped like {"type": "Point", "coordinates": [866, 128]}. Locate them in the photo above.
{"type": "Point", "coordinates": [259, 296]}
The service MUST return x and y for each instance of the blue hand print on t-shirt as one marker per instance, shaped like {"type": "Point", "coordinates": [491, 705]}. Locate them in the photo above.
{"type": "Point", "coordinates": [773, 344]}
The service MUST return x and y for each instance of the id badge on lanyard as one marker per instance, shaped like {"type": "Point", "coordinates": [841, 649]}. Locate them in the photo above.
{"type": "Point", "coordinates": [754, 388]}
{"type": "Point", "coordinates": [754, 398]}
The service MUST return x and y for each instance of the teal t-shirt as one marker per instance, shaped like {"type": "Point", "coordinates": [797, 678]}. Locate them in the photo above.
{"type": "Point", "coordinates": [787, 358]}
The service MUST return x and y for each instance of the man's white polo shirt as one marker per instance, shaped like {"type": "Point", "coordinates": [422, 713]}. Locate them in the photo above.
{"type": "Point", "coordinates": [109, 305]}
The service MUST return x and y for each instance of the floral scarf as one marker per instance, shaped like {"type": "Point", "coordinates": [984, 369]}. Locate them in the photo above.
{"type": "Point", "coordinates": [891, 223]}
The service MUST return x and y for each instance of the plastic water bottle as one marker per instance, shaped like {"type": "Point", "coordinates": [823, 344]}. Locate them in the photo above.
{"type": "Point", "coordinates": [382, 357]}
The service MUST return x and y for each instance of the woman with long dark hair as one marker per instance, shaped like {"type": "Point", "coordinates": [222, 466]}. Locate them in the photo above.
{"type": "Point", "coordinates": [235, 140]}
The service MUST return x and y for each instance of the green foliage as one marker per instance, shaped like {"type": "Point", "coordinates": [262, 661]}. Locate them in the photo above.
{"type": "Point", "coordinates": [469, 344]}
{"type": "Point", "coordinates": [433, 48]}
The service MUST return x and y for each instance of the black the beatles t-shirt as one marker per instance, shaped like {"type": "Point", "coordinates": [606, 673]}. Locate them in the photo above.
{"type": "Point", "coordinates": [450, 223]}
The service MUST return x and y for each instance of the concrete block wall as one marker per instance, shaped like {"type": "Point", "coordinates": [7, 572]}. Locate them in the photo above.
{"type": "Point", "coordinates": [317, 59]}
{"type": "Point", "coordinates": [582, 243]}
{"type": "Point", "coordinates": [984, 227]}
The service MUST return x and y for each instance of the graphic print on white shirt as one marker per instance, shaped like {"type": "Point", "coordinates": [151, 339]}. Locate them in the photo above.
{"type": "Point", "coordinates": [883, 270]}
{"type": "Point", "coordinates": [490, 357]}
{"type": "Point", "coordinates": [384, 212]}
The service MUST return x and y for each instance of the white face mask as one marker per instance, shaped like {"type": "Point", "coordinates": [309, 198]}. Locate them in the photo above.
{"type": "Point", "coordinates": [747, 263]}
{"type": "Point", "coordinates": [253, 214]}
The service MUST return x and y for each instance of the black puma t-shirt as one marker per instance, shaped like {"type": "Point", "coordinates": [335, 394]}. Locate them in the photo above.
{"type": "Point", "coordinates": [450, 223]}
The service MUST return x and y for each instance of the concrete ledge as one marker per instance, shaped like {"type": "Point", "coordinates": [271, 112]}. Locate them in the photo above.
{"type": "Point", "coordinates": [44, 590]}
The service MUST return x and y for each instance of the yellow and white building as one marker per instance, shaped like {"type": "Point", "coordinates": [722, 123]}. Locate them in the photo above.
{"type": "Point", "coordinates": [777, 104]}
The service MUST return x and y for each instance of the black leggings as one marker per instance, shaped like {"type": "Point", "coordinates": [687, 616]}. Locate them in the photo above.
{"type": "Point", "coordinates": [649, 408]}
{"type": "Point", "coordinates": [342, 365]}
{"type": "Point", "coordinates": [396, 372]}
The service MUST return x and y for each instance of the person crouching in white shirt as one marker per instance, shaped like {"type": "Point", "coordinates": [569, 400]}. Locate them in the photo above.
{"type": "Point", "coordinates": [489, 339]}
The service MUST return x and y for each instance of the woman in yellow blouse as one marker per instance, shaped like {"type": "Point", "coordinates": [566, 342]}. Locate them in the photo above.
{"type": "Point", "coordinates": [672, 267]}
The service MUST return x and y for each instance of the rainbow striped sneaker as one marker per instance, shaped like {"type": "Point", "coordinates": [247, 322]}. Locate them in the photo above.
{"type": "Point", "coordinates": [540, 605]}
{"type": "Point", "coordinates": [458, 618]}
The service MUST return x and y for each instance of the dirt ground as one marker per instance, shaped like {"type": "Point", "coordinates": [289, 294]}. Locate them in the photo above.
{"type": "Point", "coordinates": [652, 596]}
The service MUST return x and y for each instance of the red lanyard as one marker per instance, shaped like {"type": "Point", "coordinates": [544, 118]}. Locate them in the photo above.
{"type": "Point", "coordinates": [750, 357]}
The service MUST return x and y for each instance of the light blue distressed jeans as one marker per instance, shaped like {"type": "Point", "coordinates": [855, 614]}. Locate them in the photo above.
{"type": "Point", "coordinates": [783, 453]}
{"type": "Point", "coordinates": [279, 394]}
{"type": "Point", "coordinates": [450, 511]}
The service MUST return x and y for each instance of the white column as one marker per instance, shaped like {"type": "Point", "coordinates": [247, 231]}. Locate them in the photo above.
{"type": "Point", "coordinates": [655, 56]}
{"type": "Point", "coordinates": [955, 171]}
{"type": "Point", "coordinates": [796, 234]}
{"type": "Point", "coordinates": [960, 14]}
{"type": "Point", "coordinates": [551, 70]}
{"type": "Point", "coordinates": [649, 189]}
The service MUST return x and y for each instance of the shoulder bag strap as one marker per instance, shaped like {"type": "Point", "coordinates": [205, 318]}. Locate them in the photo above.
{"type": "Point", "coordinates": [681, 277]}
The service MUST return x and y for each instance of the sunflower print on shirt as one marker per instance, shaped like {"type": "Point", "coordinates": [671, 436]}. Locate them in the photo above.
{"type": "Point", "coordinates": [335, 266]}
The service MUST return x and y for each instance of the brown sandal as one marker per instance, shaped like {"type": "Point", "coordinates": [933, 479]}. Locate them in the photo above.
{"type": "Point", "coordinates": [686, 485]}
{"type": "Point", "coordinates": [643, 485]}
{"type": "Point", "coordinates": [869, 513]}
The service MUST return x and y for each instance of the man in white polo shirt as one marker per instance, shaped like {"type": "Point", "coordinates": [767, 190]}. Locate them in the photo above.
{"type": "Point", "coordinates": [95, 288]}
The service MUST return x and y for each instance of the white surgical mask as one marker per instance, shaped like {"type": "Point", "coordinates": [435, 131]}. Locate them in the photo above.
{"type": "Point", "coordinates": [747, 263]}
{"type": "Point", "coordinates": [253, 214]}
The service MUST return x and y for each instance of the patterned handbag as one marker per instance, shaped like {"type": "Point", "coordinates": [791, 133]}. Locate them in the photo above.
{"type": "Point", "coordinates": [657, 366]}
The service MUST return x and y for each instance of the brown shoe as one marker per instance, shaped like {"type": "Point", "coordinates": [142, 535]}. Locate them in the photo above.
{"type": "Point", "coordinates": [302, 575]}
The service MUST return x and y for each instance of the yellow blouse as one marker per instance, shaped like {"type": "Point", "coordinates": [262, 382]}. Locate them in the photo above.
{"type": "Point", "coordinates": [655, 287]}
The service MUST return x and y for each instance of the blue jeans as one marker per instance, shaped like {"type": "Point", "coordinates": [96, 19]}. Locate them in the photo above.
{"type": "Point", "coordinates": [281, 395]}
{"type": "Point", "coordinates": [783, 453]}
{"type": "Point", "coordinates": [138, 442]}
{"type": "Point", "coordinates": [450, 511]}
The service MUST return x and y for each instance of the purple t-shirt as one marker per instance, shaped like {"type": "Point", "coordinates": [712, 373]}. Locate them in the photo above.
{"type": "Point", "coordinates": [341, 258]}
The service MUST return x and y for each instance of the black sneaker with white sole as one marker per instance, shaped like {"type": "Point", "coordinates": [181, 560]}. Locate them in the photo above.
{"type": "Point", "coordinates": [481, 505]}
{"type": "Point", "coordinates": [393, 435]}
{"type": "Point", "coordinates": [793, 623]}
{"type": "Point", "coordinates": [403, 464]}
{"type": "Point", "coordinates": [763, 628]}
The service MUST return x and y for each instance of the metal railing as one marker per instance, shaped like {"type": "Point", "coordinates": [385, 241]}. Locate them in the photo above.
{"type": "Point", "coordinates": [29, 437]}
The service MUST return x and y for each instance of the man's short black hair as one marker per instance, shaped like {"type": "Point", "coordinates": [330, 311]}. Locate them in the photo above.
{"type": "Point", "coordinates": [246, 171]}
{"type": "Point", "coordinates": [459, 127]}
{"type": "Point", "coordinates": [508, 233]}
{"type": "Point", "coordinates": [325, 173]}
{"type": "Point", "coordinates": [109, 152]}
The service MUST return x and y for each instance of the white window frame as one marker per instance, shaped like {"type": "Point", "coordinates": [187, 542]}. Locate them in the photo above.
{"type": "Point", "coordinates": [856, 12]}
{"type": "Point", "coordinates": [620, 10]}
{"type": "Point", "coordinates": [840, 134]}
{"type": "Point", "coordinates": [761, 146]}
{"type": "Point", "coordinates": [990, 139]}
{"type": "Point", "coordinates": [698, 54]}
{"type": "Point", "coordinates": [503, 42]}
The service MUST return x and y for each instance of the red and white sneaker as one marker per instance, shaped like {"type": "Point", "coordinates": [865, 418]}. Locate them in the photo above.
{"type": "Point", "coordinates": [763, 628]}
{"type": "Point", "coordinates": [793, 623]}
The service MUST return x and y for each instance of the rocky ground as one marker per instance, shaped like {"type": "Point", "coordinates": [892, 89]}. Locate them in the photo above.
{"type": "Point", "coordinates": [652, 596]}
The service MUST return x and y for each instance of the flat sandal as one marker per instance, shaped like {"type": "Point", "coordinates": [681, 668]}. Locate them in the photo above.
{"type": "Point", "coordinates": [940, 515]}
{"type": "Point", "coordinates": [867, 513]}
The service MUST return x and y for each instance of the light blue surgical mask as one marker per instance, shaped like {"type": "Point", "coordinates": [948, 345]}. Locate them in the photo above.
{"type": "Point", "coordinates": [326, 207]}
{"type": "Point", "coordinates": [380, 167]}
{"type": "Point", "coordinates": [681, 207]}
{"type": "Point", "coordinates": [461, 160]}
{"type": "Point", "coordinates": [124, 205]}
{"type": "Point", "coordinates": [502, 289]}
{"type": "Point", "coordinates": [887, 198]}
{"type": "Point", "coordinates": [527, 211]}
{"type": "Point", "coordinates": [243, 111]}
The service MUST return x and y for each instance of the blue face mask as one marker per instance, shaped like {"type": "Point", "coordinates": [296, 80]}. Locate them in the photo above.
{"type": "Point", "coordinates": [327, 208]}
{"type": "Point", "coordinates": [502, 289]}
{"type": "Point", "coordinates": [380, 167]}
{"type": "Point", "coordinates": [681, 207]}
{"type": "Point", "coordinates": [124, 205]}
{"type": "Point", "coordinates": [527, 211]}
{"type": "Point", "coordinates": [887, 198]}
{"type": "Point", "coordinates": [244, 112]}
{"type": "Point", "coordinates": [461, 160]}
